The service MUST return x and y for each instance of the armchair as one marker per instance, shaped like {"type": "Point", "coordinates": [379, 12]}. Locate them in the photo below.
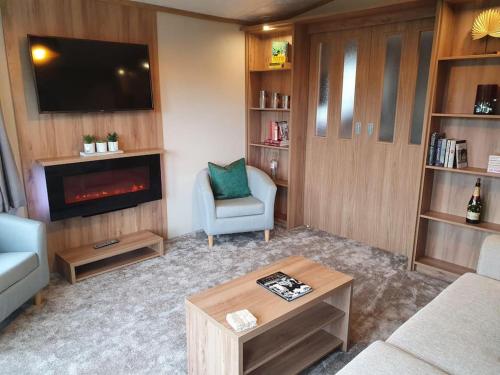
{"type": "Point", "coordinates": [249, 214]}
{"type": "Point", "coordinates": [24, 269]}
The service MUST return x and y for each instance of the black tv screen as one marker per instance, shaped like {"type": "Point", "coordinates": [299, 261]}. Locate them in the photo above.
{"type": "Point", "coordinates": [77, 75]}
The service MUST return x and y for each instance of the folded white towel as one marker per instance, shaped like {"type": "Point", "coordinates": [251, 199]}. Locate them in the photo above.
{"type": "Point", "coordinates": [241, 320]}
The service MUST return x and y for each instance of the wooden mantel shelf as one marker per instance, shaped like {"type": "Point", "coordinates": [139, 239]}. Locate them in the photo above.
{"type": "Point", "coordinates": [81, 159]}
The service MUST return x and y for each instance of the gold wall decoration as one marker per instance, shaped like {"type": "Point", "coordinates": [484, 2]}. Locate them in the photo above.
{"type": "Point", "coordinates": [486, 23]}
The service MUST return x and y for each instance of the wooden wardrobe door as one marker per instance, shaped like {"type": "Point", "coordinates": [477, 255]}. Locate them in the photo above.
{"type": "Point", "coordinates": [337, 94]}
{"type": "Point", "coordinates": [391, 148]}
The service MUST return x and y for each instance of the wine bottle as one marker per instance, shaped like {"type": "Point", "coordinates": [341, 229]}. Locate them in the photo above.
{"type": "Point", "coordinates": [475, 206]}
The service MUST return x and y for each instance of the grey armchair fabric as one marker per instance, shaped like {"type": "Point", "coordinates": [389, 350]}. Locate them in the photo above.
{"type": "Point", "coordinates": [24, 268]}
{"type": "Point", "coordinates": [235, 215]}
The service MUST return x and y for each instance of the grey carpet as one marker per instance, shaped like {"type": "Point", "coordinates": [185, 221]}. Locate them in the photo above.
{"type": "Point", "coordinates": [131, 321]}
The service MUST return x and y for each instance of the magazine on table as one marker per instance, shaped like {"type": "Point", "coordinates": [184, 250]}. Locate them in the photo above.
{"type": "Point", "coordinates": [284, 286]}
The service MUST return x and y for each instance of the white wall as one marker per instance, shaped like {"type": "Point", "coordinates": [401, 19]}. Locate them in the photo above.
{"type": "Point", "coordinates": [202, 79]}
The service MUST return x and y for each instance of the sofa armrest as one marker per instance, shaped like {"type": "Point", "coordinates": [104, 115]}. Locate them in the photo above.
{"type": "Point", "coordinates": [489, 258]}
{"type": "Point", "coordinates": [20, 234]}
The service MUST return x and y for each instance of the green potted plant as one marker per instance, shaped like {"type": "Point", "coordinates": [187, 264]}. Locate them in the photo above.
{"type": "Point", "coordinates": [112, 142]}
{"type": "Point", "coordinates": [89, 144]}
{"type": "Point", "coordinates": [101, 145]}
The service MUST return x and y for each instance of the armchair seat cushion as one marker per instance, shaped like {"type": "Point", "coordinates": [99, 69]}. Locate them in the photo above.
{"type": "Point", "coordinates": [238, 207]}
{"type": "Point", "coordinates": [16, 266]}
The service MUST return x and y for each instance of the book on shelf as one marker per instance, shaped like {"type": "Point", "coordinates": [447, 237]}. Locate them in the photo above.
{"type": "Point", "coordinates": [451, 155]}
{"type": "Point", "coordinates": [494, 164]}
{"type": "Point", "coordinates": [447, 152]}
{"type": "Point", "coordinates": [461, 154]}
{"type": "Point", "coordinates": [278, 134]}
{"type": "Point", "coordinates": [431, 157]}
{"type": "Point", "coordinates": [284, 286]}
{"type": "Point", "coordinates": [279, 53]}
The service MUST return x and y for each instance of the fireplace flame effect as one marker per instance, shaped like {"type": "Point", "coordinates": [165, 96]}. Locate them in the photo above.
{"type": "Point", "coordinates": [105, 193]}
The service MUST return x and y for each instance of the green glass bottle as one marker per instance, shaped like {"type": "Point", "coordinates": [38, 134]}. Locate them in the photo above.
{"type": "Point", "coordinates": [475, 206]}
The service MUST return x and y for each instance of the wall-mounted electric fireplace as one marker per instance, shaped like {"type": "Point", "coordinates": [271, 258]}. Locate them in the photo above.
{"type": "Point", "coordinates": [95, 187]}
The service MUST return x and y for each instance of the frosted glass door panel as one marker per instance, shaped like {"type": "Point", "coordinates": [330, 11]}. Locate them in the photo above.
{"type": "Point", "coordinates": [348, 88]}
{"type": "Point", "coordinates": [424, 61]}
{"type": "Point", "coordinates": [390, 88]}
{"type": "Point", "coordinates": [323, 89]}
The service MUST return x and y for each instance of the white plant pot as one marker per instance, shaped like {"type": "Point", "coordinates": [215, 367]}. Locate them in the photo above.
{"type": "Point", "coordinates": [113, 146]}
{"type": "Point", "coordinates": [89, 148]}
{"type": "Point", "coordinates": [101, 146]}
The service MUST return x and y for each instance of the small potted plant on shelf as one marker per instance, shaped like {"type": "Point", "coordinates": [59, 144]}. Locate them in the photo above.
{"type": "Point", "coordinates": [88, 144]}
{"type": "Point", "coordinates": [113, 141]}
{"type": "Point", "coordinates": [101, 145]}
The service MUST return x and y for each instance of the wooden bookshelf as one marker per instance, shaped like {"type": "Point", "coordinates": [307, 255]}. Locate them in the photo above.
{"type": "Point", "coordinates": [445, 244]}
{"type": "Point", "coordinates": [263, 145]}
{"type": "Point", "coordinates": [481, 56]}
{"type": "Point", "coordinates": [468, 170]}
{"type": "Point", "coordinates": [468, 116]}
{"type": "Point", "coordinates": [289, 80]}
{"type": "Point", "coordinates": [270, 109]}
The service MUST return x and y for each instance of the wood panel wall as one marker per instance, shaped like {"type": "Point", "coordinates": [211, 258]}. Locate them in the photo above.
{"type": "Point", "coordinates": [55, 135]}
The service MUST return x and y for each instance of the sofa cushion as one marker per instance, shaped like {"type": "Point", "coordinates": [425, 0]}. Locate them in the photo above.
{"type": "Point", "coordinates": [15, 266]}
{"type": "Point", "coordinates": [238, 207]}
{"type": "Point", "coordinates": [230, 181]}
{"type": "Point", "coordinates": [459, 331]}
{"type": "Point", "coordinates": [381, 358]}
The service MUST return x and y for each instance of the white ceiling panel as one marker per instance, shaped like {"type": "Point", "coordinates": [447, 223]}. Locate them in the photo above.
{"type": "Point", "coordinates": [245, 10]}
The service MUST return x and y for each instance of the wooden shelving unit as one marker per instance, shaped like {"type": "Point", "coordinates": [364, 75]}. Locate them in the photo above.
{"type": "Point", "coordinates": [446, 245]}
{"type": "Point", "coordinates": [286, 81]}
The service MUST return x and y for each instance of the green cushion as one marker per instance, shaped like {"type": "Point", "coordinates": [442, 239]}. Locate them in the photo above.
{"type": "Point", "coordinates": [229, 182]}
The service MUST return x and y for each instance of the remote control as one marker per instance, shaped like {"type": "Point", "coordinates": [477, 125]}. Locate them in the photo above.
{"type": "Point", "coordinates": [102, 244]}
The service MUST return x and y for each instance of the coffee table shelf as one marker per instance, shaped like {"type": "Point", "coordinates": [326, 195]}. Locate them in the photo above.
{"type": "Point", "coordinates": [302, 355]}
{"type": "Point", "coordinates": [277, 340]}
{"type": "Point", "coordinates": [289, 336]}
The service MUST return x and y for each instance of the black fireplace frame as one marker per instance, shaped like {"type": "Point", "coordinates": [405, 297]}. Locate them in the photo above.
{"type": "Point", "coordinates": [60, 210]}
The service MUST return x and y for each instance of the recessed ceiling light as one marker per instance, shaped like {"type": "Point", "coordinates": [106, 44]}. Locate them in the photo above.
{"type": "Point", "coordinates": [267, 28]}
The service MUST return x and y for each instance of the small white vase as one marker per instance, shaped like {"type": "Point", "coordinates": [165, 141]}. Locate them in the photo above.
{"type": "Point", "coordinates": [89, 148]}
{"type": "Point", "coordinates": [113, 146]}
{"type": "Point", "coordinates": [101, 146]}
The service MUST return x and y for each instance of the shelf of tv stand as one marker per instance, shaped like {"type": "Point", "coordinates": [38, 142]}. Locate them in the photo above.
{"type": "Point", "coordinates": [468, 170]}
{"type": "Point", "coordinates": [80, 263]}
{"type": "Point", "coordinates": [467, 116]}
{"type": "Point", "coordinates": [460, 221]}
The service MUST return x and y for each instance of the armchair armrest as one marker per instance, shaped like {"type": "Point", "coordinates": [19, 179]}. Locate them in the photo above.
{"type": "Point", "coordinates": [205, 201]}
{"type": "Point", "coordinates": [262, 188]}
{"type": "Point", "coordinates": [489, 258]}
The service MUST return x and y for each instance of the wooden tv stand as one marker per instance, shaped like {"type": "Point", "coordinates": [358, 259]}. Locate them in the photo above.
{"type": "Point", "coordinates": [289, 336]}
{"type": "Point", "coordinates": [80, 263]}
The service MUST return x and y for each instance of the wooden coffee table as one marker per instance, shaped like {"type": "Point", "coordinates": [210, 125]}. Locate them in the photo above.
{"type": "Point", "coordinates": [289, 336]}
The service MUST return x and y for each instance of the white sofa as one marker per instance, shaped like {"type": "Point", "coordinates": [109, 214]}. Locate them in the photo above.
{"type": "Point", "coordinates": [458, 333]}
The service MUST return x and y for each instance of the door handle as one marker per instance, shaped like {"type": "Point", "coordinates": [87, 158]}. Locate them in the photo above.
{"type": "Point", "coordinates": [370, 127]}
{"type": "Point", "coordinates": [357, 128]}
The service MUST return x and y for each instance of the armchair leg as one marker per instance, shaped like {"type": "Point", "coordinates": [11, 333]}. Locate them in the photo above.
{"type": "Point", "coordinates": [267, 234]}
{"type": "Point", "coordinates": [38, 299]}
{"type": "Point", "coordinates": [210, 241]}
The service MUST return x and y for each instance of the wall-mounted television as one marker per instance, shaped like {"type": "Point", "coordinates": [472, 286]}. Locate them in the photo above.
{"type": "Point", "coordinates": [79, 75]}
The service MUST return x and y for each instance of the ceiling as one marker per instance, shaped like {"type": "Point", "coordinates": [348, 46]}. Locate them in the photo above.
{"type": "Point", "coordinates": [248, 11]}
